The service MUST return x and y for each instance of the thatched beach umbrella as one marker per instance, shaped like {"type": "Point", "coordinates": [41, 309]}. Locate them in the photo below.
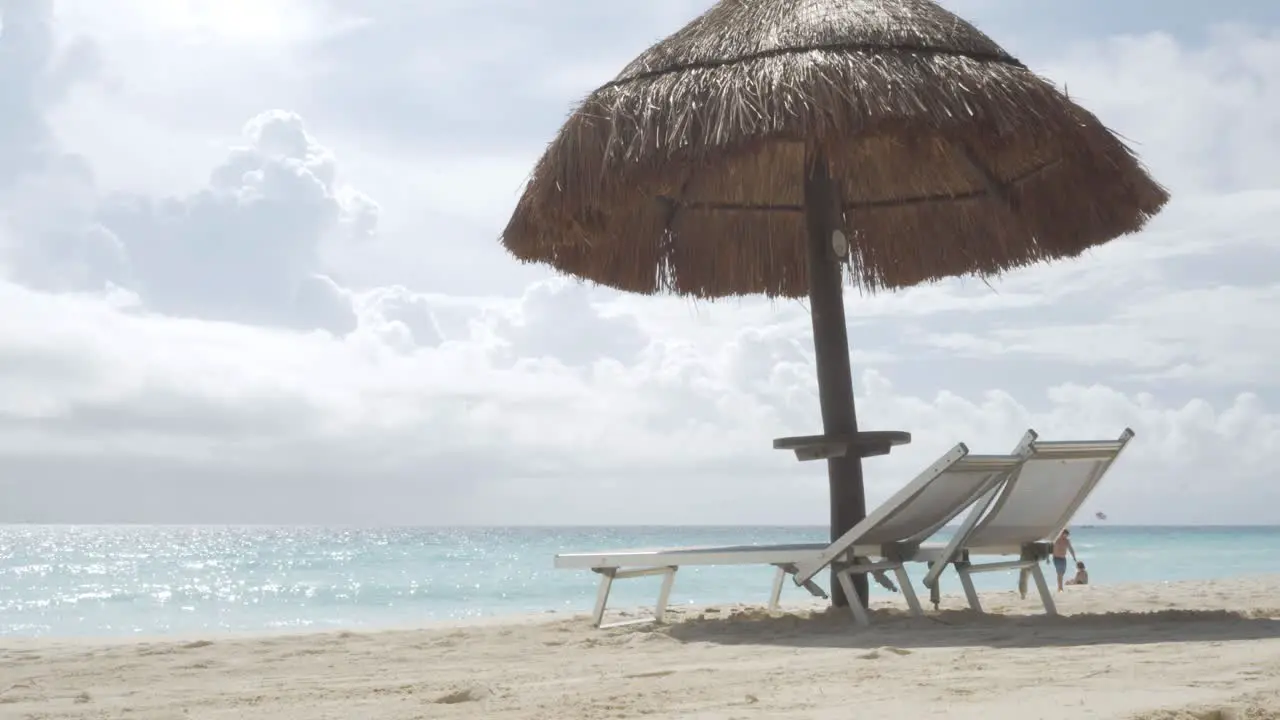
{"type": "Point", "coordinates": [780, 146]}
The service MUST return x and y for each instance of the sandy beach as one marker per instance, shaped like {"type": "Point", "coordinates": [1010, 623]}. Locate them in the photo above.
{"type": "Point", "coordinates": [1164, 651]}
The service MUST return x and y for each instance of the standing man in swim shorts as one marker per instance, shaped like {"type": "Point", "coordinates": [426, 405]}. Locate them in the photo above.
{"type": "Point", "coordinates": [1061, 547]}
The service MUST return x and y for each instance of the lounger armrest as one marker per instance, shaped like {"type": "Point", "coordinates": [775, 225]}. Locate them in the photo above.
{"type": "Point", "coordinates": [821, 447]}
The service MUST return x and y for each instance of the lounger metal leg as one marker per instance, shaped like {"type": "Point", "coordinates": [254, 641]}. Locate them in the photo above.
{"type": "Point", "coordinates": [775, 595]}
{"type": "Point", "coordinates": [1050, 607]}
{"type": "Point", "coordinates": [970, 592]}
{"type": "Point", "coordinates": [664, 595]}
{"type": "Point", "coordinates": [935, 588]}
{"type": "Point", "coordinates": [860, 616]}
{"type": "Point", "coordinates": [608, 575]}
{"type": "Point", "coordinates": [908, 592]}
{"type": "Point", "coordinates": [602, 595]}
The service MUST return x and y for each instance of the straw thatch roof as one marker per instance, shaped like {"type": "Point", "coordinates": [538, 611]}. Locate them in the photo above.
{"type": "Point", "coordinates": [686, 172]}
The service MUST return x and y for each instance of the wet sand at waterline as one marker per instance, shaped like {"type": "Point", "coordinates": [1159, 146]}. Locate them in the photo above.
{"type": "Point", "coordinates": [1163, 650]}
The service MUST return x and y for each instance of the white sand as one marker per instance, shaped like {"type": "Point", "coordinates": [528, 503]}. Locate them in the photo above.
{"type": "Point", "coordinates": [1178, 650]}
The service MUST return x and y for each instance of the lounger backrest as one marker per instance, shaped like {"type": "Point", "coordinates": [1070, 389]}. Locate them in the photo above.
{"type": "Point", "coordinates": [940, 501]}
{"type": "Point", "coordinates": [1039, 500]}
{"type": "Point", "coordinates": [924, 505]}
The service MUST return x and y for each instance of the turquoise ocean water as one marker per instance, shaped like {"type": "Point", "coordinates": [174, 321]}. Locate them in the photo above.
{"type": "Point", "coordinates": [60, 581]}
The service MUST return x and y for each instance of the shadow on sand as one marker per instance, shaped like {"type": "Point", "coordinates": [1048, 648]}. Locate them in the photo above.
{"type": "Point", "coordinates": [964, 628]}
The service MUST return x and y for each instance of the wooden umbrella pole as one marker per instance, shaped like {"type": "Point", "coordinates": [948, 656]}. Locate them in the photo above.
{"type": "Point", "coordinates": [831, 348]}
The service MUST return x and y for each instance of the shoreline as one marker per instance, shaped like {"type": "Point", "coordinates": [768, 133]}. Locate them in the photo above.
{"type": "Point", "coordinates": [1140, 651]}
{"type": "Point", "coordinates": [1007, 604]}
{"type": "Point", "coordinates": [995, 604]}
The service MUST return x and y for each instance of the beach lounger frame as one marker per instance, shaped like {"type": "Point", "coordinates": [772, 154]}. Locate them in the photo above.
{"type": "Point", "coordinates": [1095, 458]}
{"type": "Point", "coordinates": [850, 553]}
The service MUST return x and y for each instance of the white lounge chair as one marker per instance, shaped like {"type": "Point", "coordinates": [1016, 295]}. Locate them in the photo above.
{"type": "Point", "coordinates": [1025, 514]}
{"type": "Point", "coordinates": [892, 533]}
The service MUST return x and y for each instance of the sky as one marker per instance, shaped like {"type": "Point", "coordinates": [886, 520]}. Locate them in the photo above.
{"type": "Point", "coordinates": [250, 273]}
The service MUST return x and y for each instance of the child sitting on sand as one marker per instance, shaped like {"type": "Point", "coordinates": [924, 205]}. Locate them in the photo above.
{"type": "Point", "coordinates": [1082, 575]}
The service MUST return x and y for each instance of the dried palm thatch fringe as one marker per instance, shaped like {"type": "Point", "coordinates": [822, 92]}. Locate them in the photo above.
{"type": "Point", "coordinates": [686, 173]}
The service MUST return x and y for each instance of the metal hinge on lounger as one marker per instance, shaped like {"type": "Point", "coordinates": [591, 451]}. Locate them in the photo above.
{"type": "Point", "coordinates": [780, 580]}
